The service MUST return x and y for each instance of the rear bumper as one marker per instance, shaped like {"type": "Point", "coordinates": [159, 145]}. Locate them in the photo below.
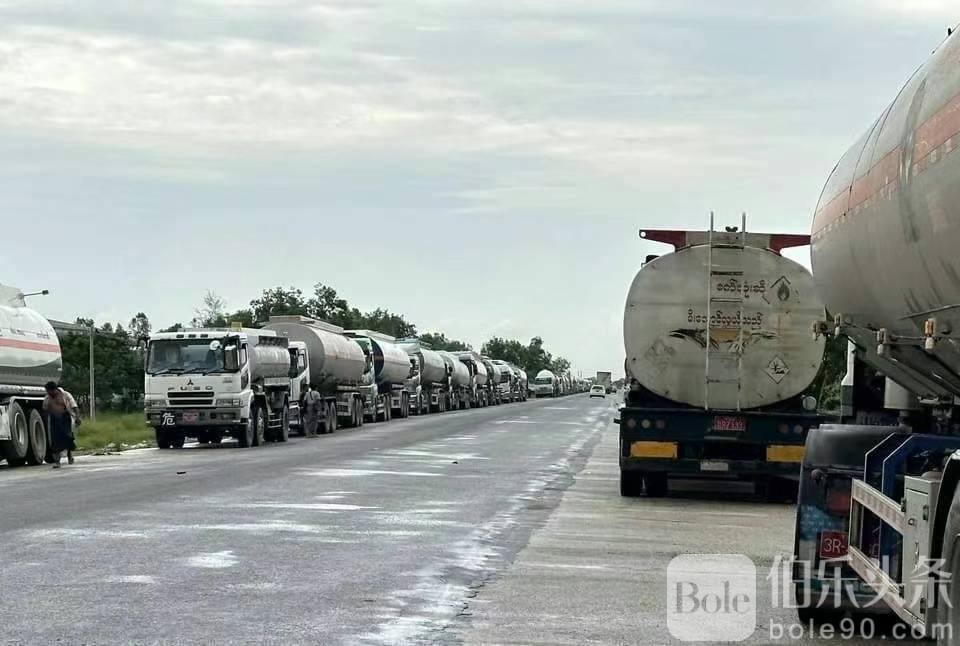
{"type": "Point", "coordinates": [698, 443]}
{"type": "Point", "coordinates": [710, 468]}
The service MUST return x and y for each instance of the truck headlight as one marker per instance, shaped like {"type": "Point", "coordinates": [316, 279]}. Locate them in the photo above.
{"type": "Point", "coordinates": [154, 402]}
{"type": "Point", "coordinates": [229, 402]}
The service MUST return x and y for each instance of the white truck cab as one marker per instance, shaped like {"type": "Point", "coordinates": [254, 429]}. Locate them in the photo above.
{"type": "Point", "coordinates": [216, 382]}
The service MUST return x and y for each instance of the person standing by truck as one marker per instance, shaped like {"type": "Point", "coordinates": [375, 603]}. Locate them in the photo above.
{"type": "Point", "coordinates": [62, 411]}
{"type": "Point", "coordinates": [312, 405]}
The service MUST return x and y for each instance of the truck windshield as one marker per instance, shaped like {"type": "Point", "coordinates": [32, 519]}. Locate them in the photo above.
{"type": "Point", "coordinates": [544, 381]}
{"type": "Point", "coordinates": [186, 355]}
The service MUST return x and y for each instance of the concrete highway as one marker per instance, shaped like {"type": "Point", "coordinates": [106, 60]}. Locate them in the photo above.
{"type": "Point", "coordinates": [500, 525]}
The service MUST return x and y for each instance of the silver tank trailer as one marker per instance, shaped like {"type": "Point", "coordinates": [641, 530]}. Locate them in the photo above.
{"type": "Point", "coordinates": [433, 369]}
{"type": "Point", "coordinates": [520, 375]}
{"type": "Point", "coordinates": [459, 375]}
{"type": "Point", "coordinates": [267, 361]}
{"type": "Point", "coordinates": [29, 350]}
{"type": "Point", "coordinates": [887, 228]}
{"type": "Point", "coordinates": [493, 371]}
{"type": "Point", "coordinates": [506, 372]}
{"type": "Point", "coordinates": [391, 364]}
{"type": "Point", "coordinates": [665, 326]}
{"type": "Point", "coordinates": [476, 361]}
{"type": "Point", "coordinates": [334, 358]}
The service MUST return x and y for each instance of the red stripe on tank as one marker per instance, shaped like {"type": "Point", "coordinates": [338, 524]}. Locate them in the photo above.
{"type": "Point", "coordinates": [30, 345]}
{"type": "Point", "coordinates": [884, 177]}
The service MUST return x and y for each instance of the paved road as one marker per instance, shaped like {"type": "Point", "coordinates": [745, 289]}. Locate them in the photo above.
{"type": "Point", "coordinates": [502, 525]}
{"type": "Point", "coordinates": [596, 571]}
{"type": "Point", "coordinates": [377, 535]}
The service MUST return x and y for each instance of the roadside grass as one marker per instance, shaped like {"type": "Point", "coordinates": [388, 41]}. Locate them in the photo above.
{"type": "Point", "coordinates": [114, 432]}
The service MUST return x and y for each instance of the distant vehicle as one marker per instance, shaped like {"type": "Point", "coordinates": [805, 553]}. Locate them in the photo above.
{"type": "Point", "coordinates": [598, 391]}
{"type": "Point", "coordinates": [605, 379]}
{"type": "Point", "coordinates": [436, 391]}
{"type": "Point", "coordinates": [29, 357]}
{"type": "Point", "coordinates": [212, 383]}
{"type": "Point", "coordinates": [545, 385]}
{"type": "Point", "coordinates": [391, 368]}
{"type": "Point", "coordinates": [719, 355]}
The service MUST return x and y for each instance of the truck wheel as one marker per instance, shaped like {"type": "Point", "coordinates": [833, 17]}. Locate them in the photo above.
{"type": "Point", "coordinates": [283, 433]}
{"type": "Point", "coordinates": [334, 421]}
{"type": "Point", "coordinates": [177, 440]}
{"type": "Point", "coordinates": [14, 450]}
{"type": "Point", "coordinates": [163, 438]}
{"type": "Point", "coordinates": [259, 425]}
{"type": "Point", "coordinates": [949, 612]}
{"type": "Point", "coordinates": [38, 438]}
{"type": "Point", "coordinates": [247, 432]}
{"type": "Point", "coordinates": [631, 484]}
{"type": "Point", "coordinates": [819, 616]}
{"type": "Point", "coordinates": [656, 485]}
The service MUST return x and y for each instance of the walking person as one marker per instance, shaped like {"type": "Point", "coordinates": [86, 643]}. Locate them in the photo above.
{"type": "Point", "coordinates": [312, 405]}
{"type": "Point", "coordinates": [62, 412]}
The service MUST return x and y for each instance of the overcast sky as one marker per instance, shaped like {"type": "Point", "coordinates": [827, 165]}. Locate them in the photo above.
{"type": "Point", "coordinates": [481, 167]}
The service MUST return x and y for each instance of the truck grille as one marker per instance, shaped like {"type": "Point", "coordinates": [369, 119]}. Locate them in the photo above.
{"type": "Point", "coordinates": [190, 399]}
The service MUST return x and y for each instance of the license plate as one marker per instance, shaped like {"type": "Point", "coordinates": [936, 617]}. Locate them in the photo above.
{"type": "Point", "coordinates": [833, 545]}
{"type": "Point", "coordinates": [708, 465]}
{"type": "Point", "coordinates": [727, 423]}
{"type": "Point", "coordinates": [191, 417]}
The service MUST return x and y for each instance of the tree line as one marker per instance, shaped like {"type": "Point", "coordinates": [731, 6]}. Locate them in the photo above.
{"type": "Point", "coordinates": [119, 349]}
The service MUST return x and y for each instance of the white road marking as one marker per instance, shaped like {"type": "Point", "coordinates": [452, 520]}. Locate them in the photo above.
{"type": "Point", "coordinates": [213, 560]}
{"type": "Point", "coordinates": [344, 473]}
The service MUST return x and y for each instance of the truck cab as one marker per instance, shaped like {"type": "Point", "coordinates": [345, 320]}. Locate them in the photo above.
{"type": "Point", "coordinates": [212, 383]}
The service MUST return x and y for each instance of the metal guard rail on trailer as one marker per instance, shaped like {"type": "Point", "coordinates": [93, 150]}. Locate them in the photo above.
{"type": "Point", "coordinates": [872, 507]}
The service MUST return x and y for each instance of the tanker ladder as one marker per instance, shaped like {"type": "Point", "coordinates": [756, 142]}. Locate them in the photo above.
{"type": "Point", "coordinates": [719, 364]}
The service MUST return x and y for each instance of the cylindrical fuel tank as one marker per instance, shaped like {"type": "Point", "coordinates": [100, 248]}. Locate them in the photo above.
{"type": "Point", "coordinates": [520, 374]}
{"type": "Point", "coordinates": [392, 364]}
{"type": "Point", "coordinates": [506, 372]}
{"type": "Point", "coordinates": [459, 375]}
{"type": "Point", "coordinates": [665, 327]}
{"type": "Point", "coordinates": [546, 374]}
{"type": "Point", "coordinates": [476, 362]}
{"type": "Point", "coordinates": [267, 361]}
{"type": "Point", "coordinates": [334, 358]}
{"type": "Point", "coordinates": [887, 227]}
{"type": "Point", "coordinates": [493, 371]}
{"type": "Point", "coordinates": [433, 369]}
{"type": "Point", "coordinates": [29, 350]}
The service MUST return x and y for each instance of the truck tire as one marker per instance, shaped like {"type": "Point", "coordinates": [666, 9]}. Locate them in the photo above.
{"type": "Point", "coordinates": [246, 433]}
{"type": "Point", "coordinates": [631, 484]}
{"type": "Point", "coordinates": [949, 613]}
{"type": "Point", "coordinates": [283, 433]}
{"type": "Point", "coordinates": [334, 421]}
{"type": "Point", "coordinates": [14, 450]}
{"type": "Point", "coordinates": [259, 415]}
{"type": "Point", "coordinates": [177, 440]}
{"type": "Point", "coordinates": [163, 438]}
{"type": "Point", "coordinates": [38, 438]}
{"type": "Point", "coordinates": [655, 484]}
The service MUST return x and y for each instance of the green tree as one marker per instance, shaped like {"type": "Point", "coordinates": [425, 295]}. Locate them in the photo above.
{"type": "Point", "coordinates": [439, 341]}
{"type": "Point", "coordinates": [118, 368]}
{"type": "Point", "coordinates": [508, 350]}
{"type": "Point", "coordinates": [387, 322]}
{"type": "Point", "coordinates": [278, 302]}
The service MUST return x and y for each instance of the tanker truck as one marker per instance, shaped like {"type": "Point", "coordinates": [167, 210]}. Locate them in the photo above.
{"type": "Point", "coordinates": [391, 370]}
{"type": "Point", "coordinates": [881, 491]}
{"type": "Point", "coordinates": [461, 392]}
{"type": "Point", "coordinates": [494, 378]}
{"type": "Point", "coordinates": [29, 358]}
{"type": "Point", "coordinates": [545, 385]}
{"type": "Point", "coordinates": [434, 395]}
{"type": "Point", "coordinates": [520, 381]}
{"type": "Point", "coordinates": [335, 364]}
{"type": "Point", "coordinates": [478, 373]}
{"type": "Point", "coordinates": [719, 356]}
{"type": "Point", "coordinates": [215, 382]}
{"type": "Point", "coordinates": [506, 382]}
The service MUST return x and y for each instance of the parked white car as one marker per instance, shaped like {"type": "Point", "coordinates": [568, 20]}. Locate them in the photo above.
{"type": "Point", "coordinates": [598, 391]}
